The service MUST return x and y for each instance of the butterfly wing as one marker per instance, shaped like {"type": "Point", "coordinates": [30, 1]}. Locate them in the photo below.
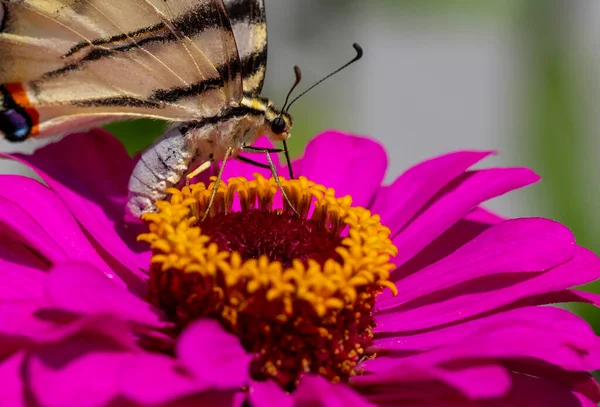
{"type": "Point", "coordinates": [249, 22]}
{"type": "Point", "coordinates": [69, 64]}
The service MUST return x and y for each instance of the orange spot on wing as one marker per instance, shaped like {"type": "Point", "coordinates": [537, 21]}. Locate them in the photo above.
{"type": "Point", "coordinates": [35, 120]}
{"type": "Point", "coordinates": [19, 95]}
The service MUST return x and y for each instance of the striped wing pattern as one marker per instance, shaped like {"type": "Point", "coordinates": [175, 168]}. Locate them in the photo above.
{"type": "Point", "coordinates": [77, 63]}
{"type": "Point", "coordinates": [249, 23]}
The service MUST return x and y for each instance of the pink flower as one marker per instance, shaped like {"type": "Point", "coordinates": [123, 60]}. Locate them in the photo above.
{"type": "Point", "coordinates": [468, 326]}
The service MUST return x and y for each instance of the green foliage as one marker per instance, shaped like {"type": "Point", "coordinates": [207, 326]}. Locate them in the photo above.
{"type": "Point", "coordinates": [554, 137]}
{"type": "Point", "coordinates": [136, 135]}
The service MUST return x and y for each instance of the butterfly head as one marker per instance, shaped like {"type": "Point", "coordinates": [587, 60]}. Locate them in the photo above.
{"type": "Point", "coordinates": [278, 124]}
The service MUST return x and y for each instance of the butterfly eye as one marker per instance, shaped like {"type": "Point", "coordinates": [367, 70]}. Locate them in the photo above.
{"type": "Point", "coordinates": [278, 125]}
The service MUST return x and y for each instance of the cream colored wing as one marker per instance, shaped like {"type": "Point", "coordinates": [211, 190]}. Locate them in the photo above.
{"type": "Point", "coordinates": [68, 64]}
{"type": "Point", "coordinates": [249, 22]}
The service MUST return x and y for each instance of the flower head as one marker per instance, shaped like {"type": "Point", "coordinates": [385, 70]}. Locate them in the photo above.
{"type": "Point", "coordinates": [298, 292]}
{"type": "Point", "coordinates": [407, 294]}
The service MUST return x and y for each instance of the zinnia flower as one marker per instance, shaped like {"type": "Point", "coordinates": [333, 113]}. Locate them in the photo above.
{"type": "Point", "coordinates": [409, 294]}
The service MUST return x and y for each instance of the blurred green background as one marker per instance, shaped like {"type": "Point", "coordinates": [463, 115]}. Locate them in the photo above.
{"type": "Point", "coordinates": [518, 76]}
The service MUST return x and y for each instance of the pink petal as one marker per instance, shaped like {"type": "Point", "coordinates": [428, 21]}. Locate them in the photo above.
{"type": "Point", "coordinates": [580, 382]}
{"type": "Point", "coordinates": [514, 246]}
{"type": "Point", "coordinates": [12, 390]}
{"type": "Point", "coordinates": [81, 288]}
{"type": "Point", "coordinates": [94, 188]}
{"type": "Point", "coordinates": [463, 231]}
{"type": "Point", "coordinates": [268, 394]}
{"type": "Point", "coordinates": [20, 325]}
{"type": "Point", "coordinates": [476, 382]}
{"type": "Point", "coordinates": [525, 391]}
{"type": "Point", "coordinates": [456, 201]}
{"type": "Point", "coordinates": [577, 296]}
{"type": "Point", "coordinates": [18, 225]}
{"type": "Point", "coordinates": [480, 298]}
{"type": "Point", "coordinates": [399, 202]}
{"type": "Point", "coordinates": [578, 350]}
{"type": "Point", "coordinates": [83, 371]}
{"type": "Point", "coordinates": [151, 379]}
{"type": "Point", "coordinates": [22, 274]}
{"type": "Point", "coordinates": [549, 318]}
{"type": "Point", "coordinates": [214, 356]}
{"type": "Point", "coordinates": [60, 236]}
{"type": "Point", "coordinates": [315, 391]}
{"type": "Point", "coordinates": [24, 324]}
{"type": "Point", "coordinates": [482, 215]}
{"type": "Point", "coordinates": [349, 164]}
{"type": "Point", "coordinates": [530, 391]}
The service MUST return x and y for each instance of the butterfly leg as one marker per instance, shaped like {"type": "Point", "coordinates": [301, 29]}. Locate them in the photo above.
{"type": "Point", "coordinates": [217, 182]}
{"type": "Point", "coordinates": [252, 162]}
{"type": "Point", "coordinates": [201, 168]}
{"type": "Point", "coordinates": [266, 151]}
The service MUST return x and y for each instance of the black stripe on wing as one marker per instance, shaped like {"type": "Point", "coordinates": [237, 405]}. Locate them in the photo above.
{"type": "Point", "coordinates": [230, 113]}
{"type": "Point", "coordinates": [249, 22]}
{"type": "Point", "coordinates": [193, 22]}
{"type": "Point", "coordinates": [3, 16]}
{"type": "Point", "coordinates": [158, 98]}
{"type": "Point", "coordinates": [238, 11]}
{"type": "Point", "coordinates": [116, 38]}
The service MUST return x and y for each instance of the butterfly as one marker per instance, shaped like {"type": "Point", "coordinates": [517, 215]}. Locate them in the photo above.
{"type": "Point", "coordinates": [69, 65]}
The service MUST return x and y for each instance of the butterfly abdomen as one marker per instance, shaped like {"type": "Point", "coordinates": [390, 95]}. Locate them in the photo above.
{"type": "Point", "coordinates": [18, 118]}
{"type": "Point", "coordinates": [166, 162]}
{"type": "Point", "coordinates": [160, 167]}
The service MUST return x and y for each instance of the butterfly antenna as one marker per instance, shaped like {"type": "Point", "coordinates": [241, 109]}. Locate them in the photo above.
{"type": "Point", "coordinates": [359, 55]}
{"type": "Point", "coordinates": [298, 73]}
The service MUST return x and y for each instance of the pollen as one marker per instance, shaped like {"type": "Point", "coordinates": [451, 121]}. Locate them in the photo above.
{"type": "Point", "coordinates": [299, 292]}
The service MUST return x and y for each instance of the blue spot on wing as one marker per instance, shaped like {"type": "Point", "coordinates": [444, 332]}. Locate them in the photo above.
{"type": "Point", "coordinates": [15, 124]}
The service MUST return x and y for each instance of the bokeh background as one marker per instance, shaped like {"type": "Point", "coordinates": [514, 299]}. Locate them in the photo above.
{"type": "Point", "coordinates": [518, 76]}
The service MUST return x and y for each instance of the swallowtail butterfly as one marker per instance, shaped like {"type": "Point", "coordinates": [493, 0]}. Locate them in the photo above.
{"type": "Point", "coordinates": [68, 65]}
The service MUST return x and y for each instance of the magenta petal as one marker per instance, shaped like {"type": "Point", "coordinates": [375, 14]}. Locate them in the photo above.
{"type": "Point", "coordinates": [545, 318]}
{"type": "Point", "coordinates": [315, 391]}
{"type": "Point", "coordinates": [580, 382]}
{"type": "Point", "coordinates": [472, 225]}
{"type": "Point", "coordinates": [22, 274]}
{"type": "Point", "coordinates": [94, 188]}
{"type": "Point", "coordinates": [514, 246]}
{"type": "Point", "coordinates": [574, 350]}
{"type": "Point", "coordinates": [83, 371]}
{"type": "Point", "coordinates": [20, 326]}
{"type": "Point", "coordinates": [268, 394]}
{"type": "Point", "coordinates": [455, 202]}
{"type": "Point", "coordinates": [60, 231]}
{"type": "Point", "coordinates": [529, 391]}
{"type": "Point", "coordinates": [477, 381]}
{"type": "Point", "coordinates": [351, 165]}
{"type": "Point", "coordinates": [82, 289]}
{"type": "Point", "coordinates": [479, 299]}
{"type": "Point", "coordinates": [152, 379]}
{"type": "Point", "coordinates": [214, 356]}
{"type": "Point", "coordinates": [399, 202]}
{"type": "Point", "coordinates": [17, 224]}
{"type": "Point", "coordinates": [12, 390]}
{"type": "Point", "coordinates": [482, 215]}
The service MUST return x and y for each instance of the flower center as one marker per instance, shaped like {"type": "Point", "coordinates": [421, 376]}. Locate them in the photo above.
{"type": "Point", "coordinates": [281, 236]}
{"type": "Point", "coordinates": [299, 292]}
